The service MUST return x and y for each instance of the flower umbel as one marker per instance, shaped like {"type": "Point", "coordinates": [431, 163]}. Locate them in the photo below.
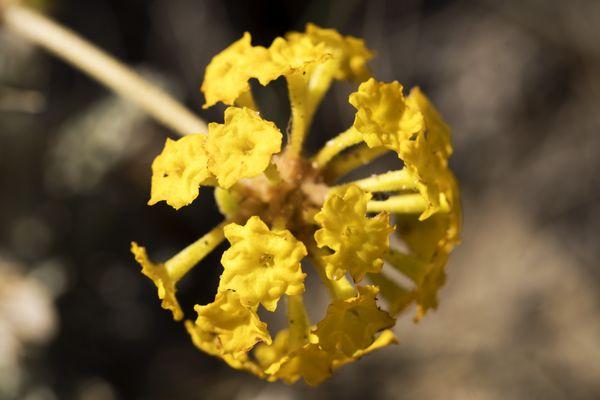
{"type": "Point", "coordinates": [282, 209]}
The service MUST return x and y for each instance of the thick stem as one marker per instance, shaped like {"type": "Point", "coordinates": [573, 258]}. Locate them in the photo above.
{"type": "Point", "coordinates": [83, 55]}
{"type": "Point", "coordinates": [186, 259]}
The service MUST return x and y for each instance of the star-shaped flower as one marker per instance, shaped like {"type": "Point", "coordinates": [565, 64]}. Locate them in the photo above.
{"type": "Point", "coordinates": [262, 264]}
{"type": "Point", "coordinates": [358, 242]}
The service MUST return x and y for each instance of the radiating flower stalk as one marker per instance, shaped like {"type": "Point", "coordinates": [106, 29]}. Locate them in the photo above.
{"type": "Point", "coordinates": [281, 208]}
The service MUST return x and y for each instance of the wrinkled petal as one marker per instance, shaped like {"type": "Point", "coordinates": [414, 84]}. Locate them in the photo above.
{"type": "Point", "coordinates": [178, 171]}
{"type": "Point", "coordinates": [241, 147]}
{"type": "Point", "coordinates": [358, 242]}
{"type": "Point", "coordinates": [162, 280]}
{"type": "Point", "coordinates": [383, 116]}
{"type": "Point", "coordinates": [350, 325]}
{"type": "Point", "coordinates": [349, 54]}
{"type": "Point", "coordinates": [232, 327]}
{"type": "Point", "coordinates": [227, 75]}
{"type": "Point", "coordinates": [262, 264]}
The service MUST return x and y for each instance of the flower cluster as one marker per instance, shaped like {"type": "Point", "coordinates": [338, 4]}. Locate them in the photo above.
{"type": "Point", "coordinates": [281, 208]}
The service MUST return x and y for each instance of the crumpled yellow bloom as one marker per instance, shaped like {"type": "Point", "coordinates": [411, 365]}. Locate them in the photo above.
{"type": "Point", "coordinates": [242, 362]}
{"type": "Point", "coordinates": [358, 242]}
{"type": "Point", "coordinates": [349, 54]}
{"type": "Point", "coordinates": [351, 324]}
{"type": "Point", "coordinates": [233, 327]}
{"type": "Point", "coordinates": [438, 132]}
{"type": "Point", "coordinates": [161, 278]}
{"type": "Point", "coordinates": [432, 241]}
{"type": "Point", "coordinates": [242, 146]}
{"type": "Point", "coordinates": [228, 73]}
{"type": "Point", "coordinates": [179, 170]}
{"type": "Point", "coordinates": [383, 116]}
{"type": "Point", "coordinates": [262, 264]}
{"type": "Point", "coordinates": [280, 206]}
{"type": "Point", "coordinates": [431, 176]}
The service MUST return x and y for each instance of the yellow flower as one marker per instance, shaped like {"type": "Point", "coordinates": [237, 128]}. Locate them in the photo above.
{"type": "Point", "coordinates": [179, 170]}
{"type": "Point", "coordinates": [241, 147]}
{"type": "Point", "coordinates": [309, 362]}
{"type": "Point", "coordinates": [431, 176]}
{"type": "Point", "coordinates": [161, 278]}
{"type": "Point", "coordinates": [438, 132]}
{"type": "Point", "coordinates": [280, 207]}
{"type": "Point", "coordinates": [383, 117]}
{"type": "Point", "coordinates": [432, 241]}
{"type": "Point", "coordinates": [349, 54]}
{"type": "Point", "coordinates": [358, 242]}
{"type": "Point", "coordinates": [228, 73]}
{"type": "Point", "coordinates": [210, 347]}
{"type": "Point", "coordinates": [351, 324]}
{"type": "Point", "coordinates": [262, 264]}
{"type": "Point", "coordinates": [233, 327]}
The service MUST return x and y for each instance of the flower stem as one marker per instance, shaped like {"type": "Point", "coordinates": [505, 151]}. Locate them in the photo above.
{"type": "Point", "coordinates": [83, 55]}
{"type": "Point", "coordinates": [353, 159]}
{"type": "Point", "coordinates": [402, 204]}
{"type": "Point", "coordinates": [186, 259]}
{"type": "Point", "coordinates": [299, 324]}
{"type": "Point", "coordinates": [338, 289]}
{"type": "Point", "coordinates": [335, 146]}
{"type": "Point", "coordinates": [389, 181]}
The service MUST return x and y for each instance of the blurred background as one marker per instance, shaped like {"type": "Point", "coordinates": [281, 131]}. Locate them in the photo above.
{"type": "Point", "coordinates": [518, 81]}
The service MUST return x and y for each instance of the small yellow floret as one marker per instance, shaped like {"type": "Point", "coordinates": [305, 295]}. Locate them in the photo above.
{"type": "Point", "coordinates": [241, 147]}
{"type": "Point", "coordinates": [233, 327]}
{"type": "Point", "coordinates": [383, 116]}
{"type": "Point", "coordinates": [349, 54]}
{"type": "Point", "coordinates": [160, 276]}
{"type": "Point", "coordinates": [179, 170]}
{"type": "Point", "coordinates": [351, 324]}
{"type": "Point", "coordinates": [438, 132]}
{"type": "Point", "coordinates": [309, 362]}
{"type": "Point", "coordinates": [227, 75]}
{"type": "Point", "coordinates": [358, 242]}
{"type": "Point", "coordinates": [262, 264]}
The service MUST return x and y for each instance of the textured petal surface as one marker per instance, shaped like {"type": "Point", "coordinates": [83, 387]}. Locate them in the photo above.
{"type": "Point", "coordinates": [162, 280]}
{"type": "Point", "coordinates": [350, 325]}
{"type": "Point", "coordinates": [383, 116]}
{"type": "Point", "coordinates": [179, 170]}
{"type": "Point", "coordinates": [358, 242]}
{"type": "Point", "coordinates": [262, 264]}
{"type": "Point", "coordinates": [232, 327]}
{"type": "Point", "coordinates": [242, 146]}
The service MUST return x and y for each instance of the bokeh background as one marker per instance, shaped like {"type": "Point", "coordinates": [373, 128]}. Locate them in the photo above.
{"type": "Point", "coordinates": [518, 81]}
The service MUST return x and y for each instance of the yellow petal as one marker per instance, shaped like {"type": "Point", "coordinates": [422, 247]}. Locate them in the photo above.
{"type": "Point", "coordinates": [232, 327]}
{"type": "Point", "coordinates": [160, 276]}
{"type": "Point", "coordinates": [227, 75]}
{"type": "Point", "coordinates": [432, 177]}
{"type": "Point", "coordinates": [349, 53]}
{"type": "Point", "coordinates": [383, 117]}
{"type": "Point", "coordinates": [242, 147]}
{"type": "Point", "coordinates": [358, 242]}
{"type": "Point", "coordinates": [297, 56]}
{"type": "Point", "coordinates": [432, 241]}
{"type": "Point", "coordinates": [350, 325]}
{"type": "Point", "coordinates": [310, 362]}
{"type": "Point", "coordinates": [384, 339]}
{"type": "Point", "coordinates": [179, 170]}
{"type": "Point", "coordinates": [210, 347]}
{"type": "Point", "coordinates": [262, 264]}
{"type": "Point", "coordinates": [438, 132]}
